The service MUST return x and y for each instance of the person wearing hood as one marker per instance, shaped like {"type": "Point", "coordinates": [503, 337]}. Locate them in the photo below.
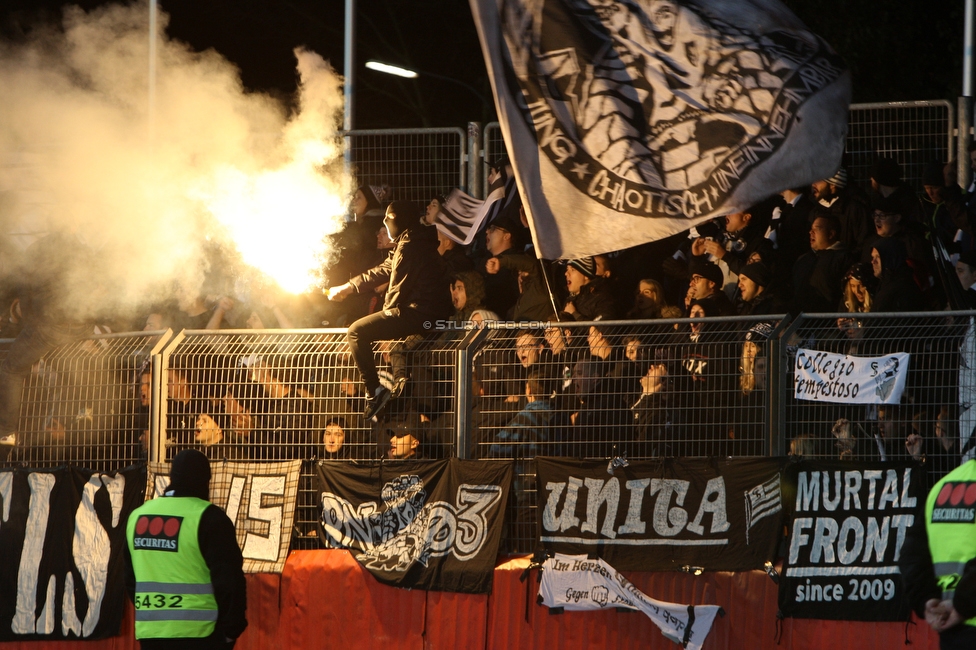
{"type": "Point", "coordinates": [467, 295]}
{"type": "Point", "coordinates": [185, 570]}
{"type": "Point", "coordinates": [897, 291]}
{"type": "Point", "coordinates": [943, 210]}
{"type": "Point", "coordinates": [356, 244]}
{"type": "Point", "coordinates": [416, 297]}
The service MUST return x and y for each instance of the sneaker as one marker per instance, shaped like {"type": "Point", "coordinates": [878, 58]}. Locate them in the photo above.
{"type": "Point", "coordinates": [398, 385]}
{"type": "Point", "coordinates": [375, 404]}
{"type": "Point", "coordinates": [9, 440]}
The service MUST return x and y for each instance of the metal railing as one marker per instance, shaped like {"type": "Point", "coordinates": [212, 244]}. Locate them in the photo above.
{"type": "Point", "coordinates": [89, 403]}
{"type": "Point", "coordinates": [914, 133]}
{"type": "Point", "coordinates": [416, 163]}
{"type": "Point", "coordinates": [717, 387]}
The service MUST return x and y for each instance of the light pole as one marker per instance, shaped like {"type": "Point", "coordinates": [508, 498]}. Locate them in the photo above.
{"type": "Point", "coordinates": [407, 73]}
{"type": "Point", "coordinates": [348, 73]}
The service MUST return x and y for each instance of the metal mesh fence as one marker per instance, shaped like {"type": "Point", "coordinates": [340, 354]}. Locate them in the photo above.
{"type": "Point", "coordinates": [416, 163]}
{"type": "Point", "coordinates": [492, 146]}
{"type": "Point", "coordinates": [87, 403]}
{"type": "Point", "coordinates": [296, 394]}
{"type": "Point", "coordinates": [913, 133]}
{"type": "Point", "coordinates": [607, 389]}
{"type": "Point", "coordinates": [925, 424]}
{"type": "Point", "coordinates": [717, 387]}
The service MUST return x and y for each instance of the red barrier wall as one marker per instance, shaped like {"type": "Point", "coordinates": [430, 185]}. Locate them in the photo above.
{"type": "Point", "coordinates": [326, 599]}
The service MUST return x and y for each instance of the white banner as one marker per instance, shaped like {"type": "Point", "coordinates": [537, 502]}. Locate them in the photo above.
{"type": "Point", "coordinates": [576, 583]}
{"type": "Point", "coordinates": [259, 498]}
{"type": "Point", "coordinates": [842, 379]}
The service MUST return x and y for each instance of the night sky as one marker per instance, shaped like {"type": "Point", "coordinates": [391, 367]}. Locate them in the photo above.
{"type": "Point", "coordinates": [897, 51]}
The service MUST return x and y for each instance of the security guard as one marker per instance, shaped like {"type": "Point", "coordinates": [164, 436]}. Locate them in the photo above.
{"type": "Point", "coordinates": [938, 561]}
{"type": "Point", "coordinates": [186, 569]}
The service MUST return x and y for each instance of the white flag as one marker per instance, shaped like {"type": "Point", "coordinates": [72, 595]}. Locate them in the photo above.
{"type": "Point", "coordinates": [462, 215]}
{"type": "Point", "coordinates": [573, 582]}
{"type": "Point", "coordinates": [627, 122]}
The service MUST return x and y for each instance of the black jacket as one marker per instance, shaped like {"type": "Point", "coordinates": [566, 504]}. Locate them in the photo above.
{"type": "Point", "coordinates": [416, 274]}
{"type": "Point", "coordinates": [533, 303]}
{"type": "Point", "coordinates": [818, 280]}
{"type": "Point", "coordinates": [594, 301]}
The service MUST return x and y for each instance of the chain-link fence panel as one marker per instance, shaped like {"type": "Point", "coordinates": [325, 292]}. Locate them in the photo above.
{"type": "Point", "coordinates": [913, 133]}
{"type": "Point", "coordinates": [88, 403]}
{"type": "Point", "coordinates": [417, 164]}
{"type": "Point", "coordinates": [296, 394]}
{"type": "Point", "coordinates": [492, 147]}
{"type": "Point", "coordinates": [923, 424]}
{"type": "Point", "coordinates": [619, 389]}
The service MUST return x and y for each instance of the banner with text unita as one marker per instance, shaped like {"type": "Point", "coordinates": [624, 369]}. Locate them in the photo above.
{"type": "Point", "coordinates": [671, 514]}
{"type": "Point", "coordinates": [828, 377]}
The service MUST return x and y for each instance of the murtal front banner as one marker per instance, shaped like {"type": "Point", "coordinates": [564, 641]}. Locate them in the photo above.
{"type": "Point", "coordinates": [848, 527]}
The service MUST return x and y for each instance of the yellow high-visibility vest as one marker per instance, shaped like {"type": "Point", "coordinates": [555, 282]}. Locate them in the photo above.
{"type": "Point", "coordinates": [174, 595]}
{"type": "Point", "coordinates": [950, 520]}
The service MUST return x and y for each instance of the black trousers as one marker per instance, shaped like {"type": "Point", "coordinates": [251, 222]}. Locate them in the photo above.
{"type": "Point", "coordinates": [383, 325]}
{"type": "Point", "coordinates": [960, 637]}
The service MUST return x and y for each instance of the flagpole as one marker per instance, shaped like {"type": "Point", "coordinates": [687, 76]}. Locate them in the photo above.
{"type": "Point", "coordinates": [552, 297]}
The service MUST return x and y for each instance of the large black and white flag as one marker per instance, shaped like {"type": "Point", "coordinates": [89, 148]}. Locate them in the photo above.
{"type": "Point", "coordinates": [849, 523]}
{"type": "Point", "coordinates": [432, 525]}
{"type": "Point", "coordinates": [630, 121]}
{"type": "Point", "coordinates": [667, 515]}
{"type": "Point", "coordinates": [62, 545]}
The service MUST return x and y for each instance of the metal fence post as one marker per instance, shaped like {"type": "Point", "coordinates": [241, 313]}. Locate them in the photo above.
{"type": "Point", "coordinates": [474, 159]}
{"type": "Point", "coordinates": [463, 376]}
{"type": "Point", "coordinates": [159, 409]}
{"type": "Point", "coordinates": [774, 421]}
{"type": "Point", "coordinates": [965, 119]}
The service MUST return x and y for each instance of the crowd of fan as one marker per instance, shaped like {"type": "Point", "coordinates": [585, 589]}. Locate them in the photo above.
{"type": "Point", "coordinates": [831, 247]}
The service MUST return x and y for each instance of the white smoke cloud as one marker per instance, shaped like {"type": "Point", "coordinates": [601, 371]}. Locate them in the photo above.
{"type": "Point", "coordinates": [78, 150]}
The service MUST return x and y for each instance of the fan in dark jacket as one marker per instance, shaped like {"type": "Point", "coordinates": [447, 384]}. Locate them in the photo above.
{"type": "Point", "coordinates": [416, 296]}
{"type": "Point", "coordinates": [897, 290]}
{"type": "Point", "coordinates": [589, 295]}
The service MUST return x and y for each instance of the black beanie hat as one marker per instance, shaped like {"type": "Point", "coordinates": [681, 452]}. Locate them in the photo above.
{"type": "Point", "coordinates": [189, 475]}
{"type": "Point", "coordinates": [886, 171]}
{"type": "Point", "coordinates": [709, 271]}
{"type": "Point", "coordinates": [758, 273]}
{"type": "Point", "coordinates": [405, 215]}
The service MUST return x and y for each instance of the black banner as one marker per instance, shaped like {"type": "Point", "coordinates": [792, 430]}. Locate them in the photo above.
{"type": "Point", "coordinates": [62, 540]}
{"type": "Point", "coordinates": [666, 515]}
{"type": "Point", "coordinates": [432, 525]}
{"type": "Point", "coordinates": [849, 522]}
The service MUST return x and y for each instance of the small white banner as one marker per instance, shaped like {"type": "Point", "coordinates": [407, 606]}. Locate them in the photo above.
{"type": "Point", "coordinates": [828, 377]}
{"type": "Point", "coordinates": [259, 498]}
{"type": "Point", "coordinates": [574, 582]}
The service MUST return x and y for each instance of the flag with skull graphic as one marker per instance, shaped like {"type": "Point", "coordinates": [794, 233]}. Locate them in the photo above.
{"type": "Point", "coordinates": [631, 120]}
